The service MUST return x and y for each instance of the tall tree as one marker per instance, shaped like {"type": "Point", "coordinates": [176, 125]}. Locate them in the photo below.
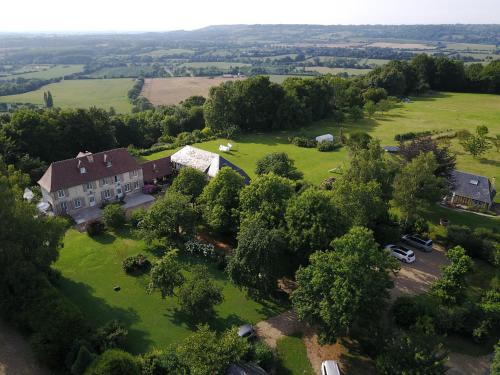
{"type": "Point", "coordinates": [347, 286]}
{"type": "Point", "coordinates": [445, 159]}
{"type": "Point", "coordinates": [266, 198]}
{"type": "Point", "coordinates": [312, 221]}
{"type": "Point", "coordinates": [280, 164]}
{"type": "Point", "coordinates": [170, 217]}
{"type": "Point", "coordinates": [189, 182]}
{"type": "Point", "coordinates": [166, 275]}
{"type": "Point", "coordinates": [476, 144]}
{"type": "Point", "coordinates": [450, 288]}
{"type": "Point", "coordinates": [199, 295]}
{"type": "Point", "coordinates": [220, 200]}
{"type": "Point", "coordinates": [206, 352]}
{"type": "Point", "coordinates": [258, 261]}
{"type": "Point", "coordinates": [416, 186]}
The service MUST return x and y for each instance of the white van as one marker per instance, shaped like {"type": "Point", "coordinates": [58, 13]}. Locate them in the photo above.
{"type": "Point", "coordinates": [416, 241]}
{"type": "Point", "coordinates": [330, 368]}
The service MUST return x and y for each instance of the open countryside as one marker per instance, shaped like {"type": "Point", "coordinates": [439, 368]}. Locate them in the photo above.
{"type": "Point", "coordinates": [100, 93]}
{"type": "Point", "coordinates": [334, 206]}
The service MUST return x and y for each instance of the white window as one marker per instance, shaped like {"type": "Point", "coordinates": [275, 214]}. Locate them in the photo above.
{"type": "Point", "coordinates": [60, 193]}
{"type": "Point", "coordinates": [104, 181]}
{"type": "Point", "coordinates": [135, 173]}
{"type": "Point", "coordinates": [83, 170]}
{"type": "Point", "coordinates": [107, 193]}
{"type": "Point", "coordinates": [116, 178]}
{"type": "Point", "coordinates": [108, 164]}
{"type": "Point", "coordinates": [127, 187]}
{"type": "Point", "coordinates": [78, 203]}
{"type": "Point", "coordinates": [64, 206]}
{"type": "Point", "coordinates": [136, 185]}
{"type": "Point", "coordinates": [89, 186]}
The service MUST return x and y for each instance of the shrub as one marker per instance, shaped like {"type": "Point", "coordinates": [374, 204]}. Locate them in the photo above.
{"type": "Point", "coordinates": [83, 360]}
{"type": "Point", "coordinates": [407, 310]}
{"type": "Point", "coordinates": [136, 264]}
{"type": "Point", "coordinates": [136, 216]}
{"type": "Point", "coordinates": [114, 362]}
{"type": "Point", "coordinates": [113, 216]}
{"type": "Point", "coordinates": [328, 146]}
{"type": "Point", "coordinates": [109, 336]}
{"type": "Point", "coordinates": [303, 142]}
{"type": "Point", "coordinates": [411, 135]}
{"type": "Point", "coordinates": [262, 355]}
{"type": "Point", "coordinates": [95, 228]}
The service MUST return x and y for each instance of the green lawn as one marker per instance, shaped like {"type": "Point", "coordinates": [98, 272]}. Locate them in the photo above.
{"type": "Point", "coordinates": [440, 112]}
{"type": "Point", "coordinates": [48, 72]}
{"type": "Point", "coordinates": [293, 357]}
{"type": "Point", "coordinates": [215, 64]}
{"type": "Point", "coordinates": [91, 267]}
{"type": "Point", "coordinates": [103, 93]}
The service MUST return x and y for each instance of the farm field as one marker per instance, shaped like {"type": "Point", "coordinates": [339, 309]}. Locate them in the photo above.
{"type": "Point", "coordinates": [168, 52]}
{"type": "Point", "coordinates": [47, 72]}
{"type": "Point", "coordinates": [164, 91]}
{"type": "Point", "coordinates": [102, 93]}
{"type": "Point", "coordinates": [442, 111]}
{"type": "Point", "coordinates": [327, 70]}
{"type": "Point", "coordinates": [415, 46]}
{"type": "Point", "coordinates": [92, 267]}
{"type": "Point", "coordinates": [214, 64]}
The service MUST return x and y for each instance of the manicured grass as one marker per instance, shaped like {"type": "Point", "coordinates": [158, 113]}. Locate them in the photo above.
{"type": "Point", "coordinates": [168, 52]}
{"type": "Point", "coordinates": [48, 72]}
{"type": "Point", "coordinates": [102, 93]}
{"type": "Point", "coordinates": [293, 357]}
{"type": "Point", "coordinates": [92, 267]}
{"type": "Point", "coordinates": [463, 218]}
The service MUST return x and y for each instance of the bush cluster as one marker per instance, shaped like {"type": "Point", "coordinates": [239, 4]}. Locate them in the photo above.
{"type": "Point", "coordinates": [95, 228]}
{"type": "Point", "coordinates": [411, 135]}
{"type": "Point", "coordinates": [303, 142]}
{"type": "Point", "coordinates": [480, 243]}
{"type": "Point", "coordinates": [136, 264]}
{"type": "Point", "coordinates": [328, 146]}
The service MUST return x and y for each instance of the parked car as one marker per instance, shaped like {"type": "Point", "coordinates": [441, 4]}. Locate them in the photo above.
{"type": "Point", "coordinates": [330, 368]}
{"type": "Point", "coordinates": [417, 241]}
{"type": "Point", "coordinates": [401, 253]}
{"type": "Point", "coordinates": [245, 369]}
{"type": "Point", "coordinates": [246, 331]}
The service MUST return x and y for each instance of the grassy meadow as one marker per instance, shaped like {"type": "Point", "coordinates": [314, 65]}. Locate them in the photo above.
{"type": "Point", "coordinates": [444, 111]}
{"type": "Point", "coordinates": [91, 267]}
{"type": "Point", "coordinates": [102, 93]}
{"type": "Point", "coordinates": [47, 72]}
{"type": "Point", "coordinates": [292, 354]}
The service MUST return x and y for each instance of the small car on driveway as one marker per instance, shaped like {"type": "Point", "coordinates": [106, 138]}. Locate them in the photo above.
{"type": "Point", "coordinates": [401, 253]}
{"type": "Point", "coordinates": [246, 331]}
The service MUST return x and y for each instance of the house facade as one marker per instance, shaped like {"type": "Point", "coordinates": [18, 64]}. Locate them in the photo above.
{"type": "Point", "coordinates": [472, 190]}
{"type": "Point", "coordinates": [90, 180]}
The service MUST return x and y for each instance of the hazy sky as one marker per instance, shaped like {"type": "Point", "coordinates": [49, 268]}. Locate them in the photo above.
{"type": "Point", "coordinates": [158, 15]}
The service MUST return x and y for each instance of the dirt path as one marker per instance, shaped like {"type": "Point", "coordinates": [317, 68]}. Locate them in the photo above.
{"type": "Point", "coordinates": [461, 364]}
{"type": "Point", "coordinates": [16, 357]}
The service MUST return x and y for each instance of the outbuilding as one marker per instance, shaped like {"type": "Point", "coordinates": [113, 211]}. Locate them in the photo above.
{"type": "Point", "coordinates": [324, 138]}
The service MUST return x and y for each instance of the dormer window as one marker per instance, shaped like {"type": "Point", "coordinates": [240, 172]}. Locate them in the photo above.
{"type": "Point", "coordinates": [107, 161]}
{"type": "Point", "coordinates": [83, 170]}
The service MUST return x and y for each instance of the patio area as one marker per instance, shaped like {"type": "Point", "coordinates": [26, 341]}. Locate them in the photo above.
{"type": "Point", "coordinates": [92, 213]}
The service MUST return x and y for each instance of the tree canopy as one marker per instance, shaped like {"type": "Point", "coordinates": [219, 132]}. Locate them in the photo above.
{"type": "Point", "coordinates": [349, 285]}
{"type": "Point", "coordinates": [280, 164]}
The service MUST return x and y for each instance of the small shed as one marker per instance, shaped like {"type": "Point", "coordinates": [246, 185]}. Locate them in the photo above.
{"type": "Point", "coordinates": [324, 138]}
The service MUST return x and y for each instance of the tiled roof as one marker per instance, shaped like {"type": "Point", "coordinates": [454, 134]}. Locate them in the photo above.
{"type": "Point", "coordinates": [156, 169]}
{"type": "Point", "coordinates": [66, 173]}
{"type": "Point", "coordinates": [473, 186]}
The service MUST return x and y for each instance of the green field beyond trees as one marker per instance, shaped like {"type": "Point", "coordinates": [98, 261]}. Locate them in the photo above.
{"type": "Point", "coordinates": [446, 112]}
{"type": "Point", "coordinates": [102, 93]}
